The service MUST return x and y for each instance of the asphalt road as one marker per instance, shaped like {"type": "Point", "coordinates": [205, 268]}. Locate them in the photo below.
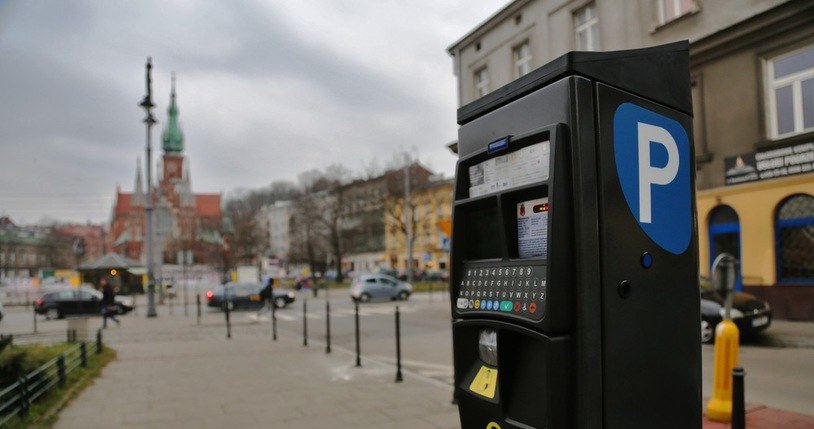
{"type": "Point", "coordinates": [776, 377]}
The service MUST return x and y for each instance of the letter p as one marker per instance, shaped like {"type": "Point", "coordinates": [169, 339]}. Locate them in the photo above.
{"type": "Point", "coordinates": [650, 175]}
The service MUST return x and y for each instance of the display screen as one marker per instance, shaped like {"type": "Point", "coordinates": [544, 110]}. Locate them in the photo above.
{"type": "Point", "coordinates": [521, 167]}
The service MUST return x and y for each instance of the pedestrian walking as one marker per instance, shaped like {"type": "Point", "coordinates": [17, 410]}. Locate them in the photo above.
{"type": "Point", "coordinates": [266, 295]}
{"type": "Point", "coordinates": [109, 308]}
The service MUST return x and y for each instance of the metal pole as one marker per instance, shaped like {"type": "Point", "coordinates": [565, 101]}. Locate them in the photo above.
{"type": "Point", "coordinates": [98, 341]}
{"type": "Point", "coordinates": [327, 327]}
{"type": "Point", "coordinates": [399, 379]}
{"type": "Point", "coordinates": [358, 350]}
{"type": "Point", "coordinates": [186, 285]}
{"type": "Point", "coordinates": [408, 219]}
{"type": "Point", "coordinates": [226, 311]}
{"type": "Point", "coordinates": [35, 319]}
{"type": "Point", "coordinates": [304, 323]}
{"type": "Point", "coordinates": [147, 104]}
{"type": "Point", "coordinates": [738, 405]}
{"type": "Point", "coordinates": [198, 304]}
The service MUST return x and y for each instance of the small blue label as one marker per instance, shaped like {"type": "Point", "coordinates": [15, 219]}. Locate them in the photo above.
{"type": "Point", "coordinates": [652, 155]}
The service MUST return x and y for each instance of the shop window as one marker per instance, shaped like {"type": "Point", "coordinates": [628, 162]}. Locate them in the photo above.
{"type": "Point", "coordinates": [794, 234]}
{"type": "Point", "coordinates": [725, 236]}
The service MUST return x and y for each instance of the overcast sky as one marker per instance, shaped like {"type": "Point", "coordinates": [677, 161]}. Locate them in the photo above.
{"type": "Point", "coordinates": [266, 90]}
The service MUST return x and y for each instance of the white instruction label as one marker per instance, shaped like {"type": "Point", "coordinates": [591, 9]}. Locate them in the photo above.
{"type": "Point", "coordinates": [518, 168]}
{"type": "Point", "coordinates": [532, 228]}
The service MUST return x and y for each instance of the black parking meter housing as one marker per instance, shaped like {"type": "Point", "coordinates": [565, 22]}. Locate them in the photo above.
{"type": "Point", "coordinates": [574, 249]}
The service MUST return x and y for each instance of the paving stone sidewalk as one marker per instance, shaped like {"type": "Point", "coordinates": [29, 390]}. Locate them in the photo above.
{"type": "Point", "coordinates": [171, 373]}
{"type": "Point", "coordinates": [246, 383]}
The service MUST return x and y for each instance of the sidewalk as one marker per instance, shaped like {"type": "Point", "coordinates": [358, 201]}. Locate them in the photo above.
{"type": "Point", "coordinates": [199, 379]}
{"type": "Point", "coordinates": [171, 373]}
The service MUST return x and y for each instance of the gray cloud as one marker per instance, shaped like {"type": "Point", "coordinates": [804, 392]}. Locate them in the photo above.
{"type": "Point", "coordinates": [266, 90]}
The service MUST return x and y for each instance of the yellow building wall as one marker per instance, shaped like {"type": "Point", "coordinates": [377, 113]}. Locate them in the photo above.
{"type": "Point", "coordinates": [756, 204]}
{"type": "Point", "coordinates": [434, 211]}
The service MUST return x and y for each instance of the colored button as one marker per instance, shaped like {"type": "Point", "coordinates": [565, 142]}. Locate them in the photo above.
{"type": "Point", "coordinates": [517, 307]}
{"type": "Point", "coordinates": [463, 303]}
{"type": "Point", "coordinates": [506, 306]}
{"type": "Point", "coordinates": [477, 304]}
{"type": "Point", "coordinates": [533, 307]}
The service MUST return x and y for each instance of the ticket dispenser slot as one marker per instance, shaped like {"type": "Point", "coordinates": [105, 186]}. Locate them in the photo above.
{"type": "Point", "coordinates": [574, 264]}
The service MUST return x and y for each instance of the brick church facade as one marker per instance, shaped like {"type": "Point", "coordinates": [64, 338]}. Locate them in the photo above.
{"type": "Point", "coordinates": [182, 220]}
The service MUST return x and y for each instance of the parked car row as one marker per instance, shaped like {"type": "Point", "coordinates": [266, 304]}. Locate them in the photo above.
{"type": "Point", "coordinates": [245, 295]}
{"type": "Point", "coordinates": [58, 303]}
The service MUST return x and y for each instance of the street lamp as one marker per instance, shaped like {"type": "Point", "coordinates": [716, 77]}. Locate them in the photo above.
{"type": "Point", "coordinates": [147, 105]}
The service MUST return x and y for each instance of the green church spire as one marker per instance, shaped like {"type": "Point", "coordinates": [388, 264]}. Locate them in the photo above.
{"type": "Point", "coordinates": [172, 137]}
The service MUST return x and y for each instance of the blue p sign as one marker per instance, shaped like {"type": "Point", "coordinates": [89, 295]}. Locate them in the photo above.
{"type": "Point", "coordinates": [652, 155]}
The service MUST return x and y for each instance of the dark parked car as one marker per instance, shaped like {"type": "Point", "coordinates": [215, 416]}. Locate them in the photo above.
{"type": "Point", "coordinates": [244, 295]}
{"type": "Point", "coordinates": [56, 304]}
{"type": "Point", "coordinates": [749, 313]}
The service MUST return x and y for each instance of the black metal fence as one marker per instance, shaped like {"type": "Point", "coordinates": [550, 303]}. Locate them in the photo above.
{"type": "Point", "coordinates": [16, 399]}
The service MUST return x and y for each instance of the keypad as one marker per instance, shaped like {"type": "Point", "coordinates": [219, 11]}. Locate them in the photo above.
{"type": "Point", "coordinates": [518, 290]}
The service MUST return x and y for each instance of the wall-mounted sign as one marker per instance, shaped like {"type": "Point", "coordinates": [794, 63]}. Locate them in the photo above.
{"type": "Point", "coordinates": [769, 164]}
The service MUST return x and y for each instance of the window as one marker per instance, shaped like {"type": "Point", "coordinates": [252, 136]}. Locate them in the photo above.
{"type": "Point", "coordinates": [794, 238]}
{"type": "Point", "coordinates": [673, 9]}
{"type": "Point", "coordinates": [522, 59]}
{"type": "Point", "coordinates": [725, 236]}
{"type": "Point", "coordinates": [586, 25]}
{"type": "Point", "coordinates": [790, 84]}
{"type": "Point", "coordinates": [481, 82]}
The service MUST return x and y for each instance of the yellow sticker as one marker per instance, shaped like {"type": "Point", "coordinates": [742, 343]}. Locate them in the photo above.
{"type": "Point", "coordinates": [485, 382]}
{"type": "Point", "coordinates": [493, 425]}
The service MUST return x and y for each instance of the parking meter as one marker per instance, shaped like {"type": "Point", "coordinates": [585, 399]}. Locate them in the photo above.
{"type": "Point", "coordinates": [574, 253]}
{"type": "Point", "coordinates": [725, 272]}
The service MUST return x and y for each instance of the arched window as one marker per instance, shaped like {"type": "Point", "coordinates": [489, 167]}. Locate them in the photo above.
{"type": "Point", "coordinates": [794, 233]}
{"type": "Point", "coordinates": [725, 236]}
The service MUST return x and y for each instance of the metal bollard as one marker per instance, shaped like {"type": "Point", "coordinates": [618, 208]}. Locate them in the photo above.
{"type": "Point", "coordinates": [738, 403]}
{"type": "Point", "coordinates": [273, 321]}
{"type": "Point", "coordinates": [304, 323]}
{"type": "Point", "coordinates": [61, 369]}
{"type": "Point", "coordinates": [327, 327]}
{"type": "Point", "coordinates": [226, 312]}
{"type": "Point", "coordinates": [83, 354]}
{"type": "Point", "coordinates": [99, 341]}
{"type": "Point", "coordinates": [398, 346]}
{"type": "Point", "coordinates": [70, 338]}
{"type": "Point", "coordinates": [198, 303]}
{"type": "Point", "coordinates": [35, 319]}
{"type": "Point", "coordinates": [356, 319]}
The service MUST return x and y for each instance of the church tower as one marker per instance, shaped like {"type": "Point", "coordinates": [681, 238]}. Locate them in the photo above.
{"type": "Point", "coordinates": [172, 142]}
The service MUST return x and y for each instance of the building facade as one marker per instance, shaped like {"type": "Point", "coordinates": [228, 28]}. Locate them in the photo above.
{"type": "Point", "coordinates": [183, 221]}
{"type": "Point", "coordinates": [752, 75]}
{"type": "Point", "coordinates": [277, 218]}
{"type": "Point", "coordinates": [432, 218]}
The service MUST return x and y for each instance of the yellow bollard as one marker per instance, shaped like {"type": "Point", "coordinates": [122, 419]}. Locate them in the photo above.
{"type": "Point", "coordinates": [726, 357]}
